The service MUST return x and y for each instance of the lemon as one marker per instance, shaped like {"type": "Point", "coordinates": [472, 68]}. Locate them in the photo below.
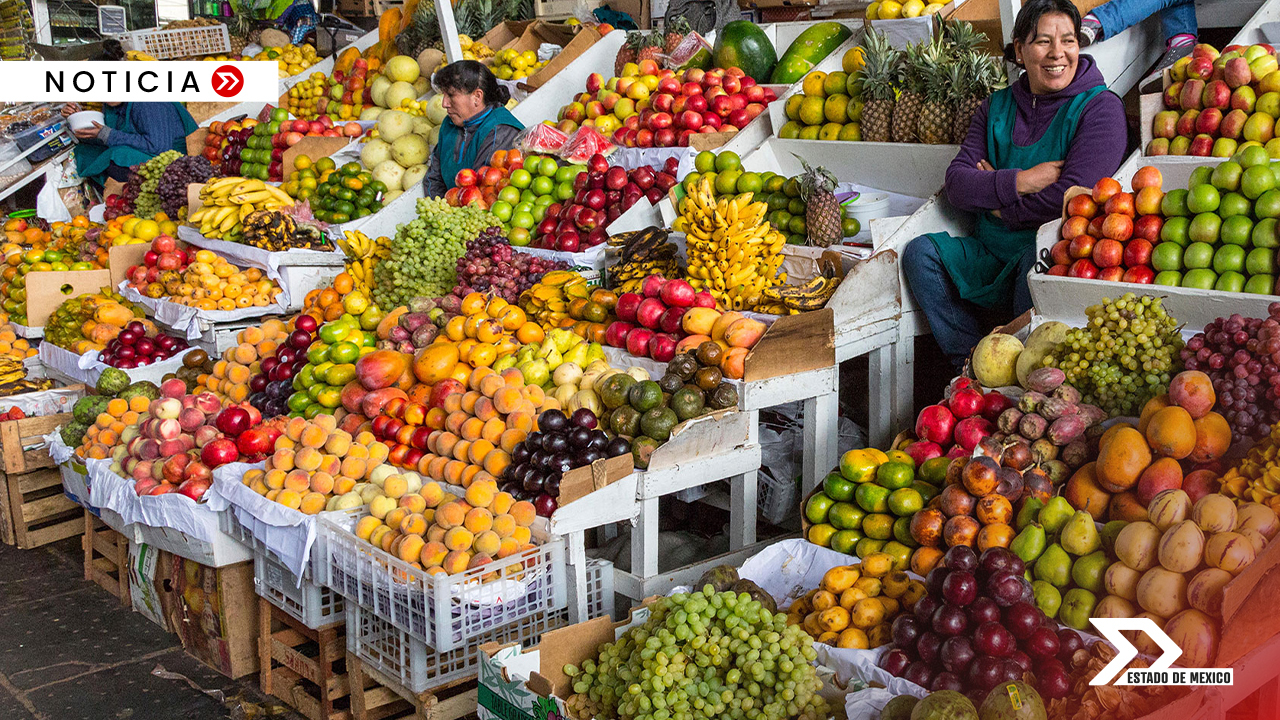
{"type": "Point", "coordinates": [873, 11]}
{"type": "Point", "coordinates": [812, 110]}
{"type": "Point", "coordinates": [912, 8]}
{"type": "Point", "coordinates": [851, 131]}
{"type": "Point", "coordinates": [835, 108]}
{"type": "Point", "coordinates": [933, 8]}
{"type": "Point", "coordinates": [854, 60]}
{"type": "Point", "coordinates": [890, 10]}
{"type": "Point", "coordinates": [813, 84]}
{"type": "Point", "coordinates": [830, 131]}
{"type": "Point", "coordinates": [792, 108]}
{"type": "Point", "coordinates": [809, 132]}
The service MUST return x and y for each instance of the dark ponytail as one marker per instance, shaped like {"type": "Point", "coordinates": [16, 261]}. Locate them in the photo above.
{"type": "Point", "coordinates": [467, 76]}
{"type": "Point", "coordinates": [112, 49]}
{"type": "Point", "coordinates": [1028, 20]}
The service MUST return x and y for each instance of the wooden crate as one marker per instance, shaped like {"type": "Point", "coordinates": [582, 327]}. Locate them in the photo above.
{"type": "Point", "coordinates": [376, 697]}
{"type": "Point", "coordinates": [33, 509]}
{"type": "Point", "coordinates": [106, 558]}
{"type": "Point", "coordinates": [305, 668]}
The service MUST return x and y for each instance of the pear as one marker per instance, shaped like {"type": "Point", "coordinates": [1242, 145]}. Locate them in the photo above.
{"type": "Point", "coordinates": [1054, 566]}
{"type": "Point", "coordinates": [1048, 598]}
{"type": "Point", "coordinates": [577, 355]}
{"type": "Point", "coordinates": [1055, 514]}
{"type": "Point", "coordinates": [1080, 536]}
{"type": "Point", "coordinates": [1030, 543]}
{"type": "Point", "coordinates": [1029, 513]}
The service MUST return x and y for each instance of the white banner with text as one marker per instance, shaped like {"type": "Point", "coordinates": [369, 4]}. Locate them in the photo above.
{"type": "Point", "coordinates": [160, 81]}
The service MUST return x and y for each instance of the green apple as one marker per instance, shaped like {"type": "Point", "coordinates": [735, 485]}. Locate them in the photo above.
{"type": "Point", "coordinates": [1169, 278]}
{"type": "Point", "coordinates": [1260, 284]}
{"type": "Point", "coordinates": [1230, 281]}
{"type": "Point", "coordinates": [1199, 278]}
{"type": "Point", "coordinates": [1198, 254]}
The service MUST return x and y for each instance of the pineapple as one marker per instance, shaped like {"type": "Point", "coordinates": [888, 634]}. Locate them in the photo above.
{"type": "Point", "coordinates": [979, 76]}
{"type": "Point", "coordinates": [878, 92]}
{"type": "Point", "coordinates": [423, 30]}
{"type": "Point", "coordinates": [626, 53]}
{"type": "Point", "coordinates": [676, 30]}
{"type": "Point", "coordinates": [822, 214]}
{"type": "Point", "coordinates": [963, 38]}
{"type": "Point", "coordinates": [905, 112]}
{"type": "Point", "coordinates": [939, 75]}
{"type": "Point", "coordinates": [650, 47]}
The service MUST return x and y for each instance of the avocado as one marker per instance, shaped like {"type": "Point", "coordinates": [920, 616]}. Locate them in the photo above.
{"type": "Point", "coordinates": [641, 450]}
{"type": "Point", "coordinates": [613, 392]}
{"type": "Point", "coordinates": [657, 423]}
{"type": "Point", "coordinates": [720, 577]}
{"type": "Point", "coordinates": [645, 396]}
{"type": "Point", "coordinates": [687, 402]}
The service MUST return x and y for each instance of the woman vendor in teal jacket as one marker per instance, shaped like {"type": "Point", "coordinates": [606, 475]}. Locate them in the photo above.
{"type": "Point", "coordinates": [133, 133]}
{"type": "Point", "coordinates": [478, 123]}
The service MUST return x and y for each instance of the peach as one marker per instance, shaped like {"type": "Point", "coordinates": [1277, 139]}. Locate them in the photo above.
{"type": "Point", "coordinates": [435, 469]}
{"type": "Point", "coordinates": [410, 548]}
{"type": "Point", "coordinates": [375, 538]}
{"type": "Point", "coordinates": [479, 560]}
{"type": "Point", "coordinates": [534, 395]}
{"type": "Point", "coordinates": [451, 514]}
{"type": "Point", "coordinates": [394, 486]}
{"type": "Point", "coordinates": [272, 494]}
{"type": "Point", "coordinates": [504, 525]}
{"type": "Point", "coordinates": [284, 442]}
{"type": "Point", "coordinates": [328, 423]}
{"type": "Point", "coordinates": [456, 562]}
{"type": "Point", "coordinates": [414, 503]}
{"type": "Point", "coordinates": [388, 540]}
{"type": "Point", "coordinates": [353, 467]}
{"type": "Point", "coordinates": [452, 403]}
{"type": "Point", "coordinates": [485, 409]}
{"type": "Point", "coordinates": [522, 534]}
{"type": "Point", "coordinates": [395, 518]}
{"type": "Point", "coordinates": [460, 450]}
{"type": "Point", "coordinates": [513, 377]}
{"type": "Point", "coordinates": [331, 464]}
{"type": "Point", "coordinates": [435, 418]}
{"type": "Point", "coordinates": [289, 498]}
{"type": "Point", "coordinates": [274, 478]}
{"type": "Point", "coordinates": [293, 429]}
{"type": "Point", "coordinates": [506, 399]}
{"type": "Point", "coordinates": [521, 421]}
{"type": "Point", "coordinates": [481, 495]}
{"type": "Point", "coordinates": [432, 494]}
{"type": "Point", "coordinates": [496, 462]}
{"type": "Point", "coordinates": [453, 471]}
{"type": "Point", "coordinates": [282, 460]}
{"type": "Point", "coordinates": [313, 436]}
{"type": "Point", "coordinates": [453, 422]}
{"type": "Point", "coordinates": [298, 481]}
{"type": "Point", "coordinates": [491, 384]}
{"type": "Point", "coordinates": [478, 520]}
{"type": "Point", "coordinates": [259, 487]}
{"type": "Point", "coordinates": [366, 526]}
{"type": "Point", "coordinates": [472, 429]}
{"type": "Point", "coordinates": [252, 475]}
{"type": "Point", "coordinates": [458, 538]}
{"type": "Point", "coordinates": [343, 485]}
{"type": "Point", "coordinates": [524, 513]}
{"type": "Point", "coordinates": [477, 375]}
{"type": "Point", "coordinates": [322, 482]}
{"type": "Point", "coordinates": [469, 401]}
{"type": "Point", "coordinates": [413, 524]}
{"type": "Point", "coordinates": [432, 553]}
{"type": "Point", "coordinates": [377, 455]}
{"type": "Point", "coordinates": [502, 503]}
{"type": "Point", "coordinates": [510, 438]}
{"type": "Point", "coordinates": [365, 438]}
{"type": "Point", "coordinates": [478, 451]}
{"type": "Point", "coordinates": [507, 546]}
{"type": "Point", "coordinates": [469, 474]}
{"type": "Point", "coordinates": [338, 443]}
{"type": "Point", "coordinates": [435, 533]}
{"type": "Point", "coordinates": [308, 459]}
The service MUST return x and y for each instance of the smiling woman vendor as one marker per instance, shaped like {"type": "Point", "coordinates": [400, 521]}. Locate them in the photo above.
{"type": "Point", "coordinates": [478, 123]}
{"type": "Point", "coordinates": [1055, 127]}
{"type": "Point", "coordinates": [134, 132]}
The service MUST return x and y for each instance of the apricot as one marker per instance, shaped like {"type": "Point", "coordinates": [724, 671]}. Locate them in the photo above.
{"type": "Point", "coordinates": [375, 538]}
{"type": "Point", "coordinates": [272, 494]}
{"type": "Point", "coordinates": [298, 481]}
{"type": "Point", "coordinates": [282, 460]}
{"type": "Point", "coordinates": [521, 421]}
{"type": "Point", "coordinates": [313, 436]}
{"type": "Point", "coordinates": [506, 399]}
{"type": "Point", "coordinates": [410, 548]}
{"type": "Point", "coordinates": [413, 502]}
{"type": "Point", "coordinates": [445, 443]}
{"type": "Point", "coordinates": [413, 524]}
{"type": "Point", "coordinates": [1171, 432]}
{"type": "Point", "coordinates": [395, 518]}
{"type": "Point", "coordinates": [524, 514]}
{"type": "Point", "coordinates": [312, 503]}
{"type": "Point", "coordinates": [513, 377]}
{"type": "Point", "coordinates": [338, 443]}
{"type": "Point", "coordinates": [469, 401]}
{"type": "Point", "coordinates": [502, 503]}
{"type": "Point", "coordinates": [259, 487]}
{"type": "Point", "coordinates": [479, 450]}
{"type": "Point", "coordinates": [522, 534]}
{"type": "Point", "coordinates": [504, 525]}
{"type": "Point", "coordinates": [458, 538]}
{"type": "Point", "coordinates": [1213, 437]}
{"type": "Point", "coordinates": [308, 459]}
{"type": "Point", "coordinates": [377, 455]}
{"type": "Point", "coordinates": [435, 469]}
{"type": "Point", "coordinates": [343, 485]}
{"type": "Point", "coordinates": [322, 482]}
{"type": "Point", "coordinates": [289, 498]}
{"type": "Point", "coordinates": [460, 450]}
{"type": "Point", "coordinates": [331, 464]}
{"type": "Point", "coordinates": [471, 429]}
{"type": "Point", "coordinates": [293, 429]}
{"type": "Point", "coordinates": [453, 471]}
{"type": "Point", "coordinates": [478, 520]}
{"type": "Point", "coordinates": [365, 438]}
{"type": "Point", "coordinates": [435, 533]}
{"type": "Point", "coordinates": [328, 423]}
{"type": "Point", "coordinates": [456, 562]}
{"type": "Point", "coordinates": [432, 494]}
{"type": "Point", "coordinates": [481, 494]}
{"type": "Point", "coordinates": [507, 546]}
{"type": "Point", "coordinates": [274, 478]}
{"type": "Point", "coordinates": [453, 422]}
{"type": "Point", "coordinates": [353, 467]}
{"type": "Point", "coordinates": [452, 403]}
{"type": "Point", "coordinates": [424, 462]}
{"type": "Point", "coordinates": [510, 438]}
{"type": "Point", "coordinates": [432, 553]}
{"type": "Point", "coordinates": [366, 526]}
{"type": "Point", "coordinates": [533, 394]}
{"type": "Point", "coordinates": [485, 410]}
{"type": "Point", "coordinates": [450, 515]}
{"type": "Point", "coordinates": [389, 539]}
{"type": "Point", "coordinates": [490, 385]}
{"type": "Point", "coordinates": [394, 486]}
{"type": "Point", "coordinates": [496, 462]}
{"type": "Point", "coordinates": [469, 474]}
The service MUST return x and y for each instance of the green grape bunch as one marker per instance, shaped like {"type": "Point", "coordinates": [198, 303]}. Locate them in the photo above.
{"type": "Point", "coordinates": [700, 656]}
{"type": "Point", "coordinates": [425, 251]}
{"type": "Point", "coordinates": [1126, 354]}
{"type": "Point", "coordinates": [148, 202]}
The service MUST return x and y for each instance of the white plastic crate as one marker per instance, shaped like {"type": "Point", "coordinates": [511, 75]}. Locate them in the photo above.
{"type": "Point", "coordinates": [312, 605]}
{"type": "Point", "coordinates": [441, 611]}
{"type": "Point", "coordinates": [599, 588]}
{"type": "Point", "coordinates": [181, 42]}
{"type": "Point", "coordinates": [777, 498]}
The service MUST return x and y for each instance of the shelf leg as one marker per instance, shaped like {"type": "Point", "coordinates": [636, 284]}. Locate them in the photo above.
{"type": "Point", "coordinates": [578, 589]}
{"type": "Point", "coordinates": [880, 396]}
{"type": "Point", "coordinates": [821, 434]}
{"type": "Point", "coordinates": [644, 541]}
{"type": "Point", "coordinates": [903, 373]}
{"type": "Point", "coordinates": [742, 509]}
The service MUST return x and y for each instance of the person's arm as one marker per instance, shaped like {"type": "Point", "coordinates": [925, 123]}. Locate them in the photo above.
{"type": "Point", "coordinates": [433, 185]}
{"type": "Point", "coordinates": [160, 125]}
{"type": "Point", "coordinates": [970, 188]}
{"type": "Point", "coordinates": [503, 137]}
{"type": "Point", "coordinates": [1096, 152]}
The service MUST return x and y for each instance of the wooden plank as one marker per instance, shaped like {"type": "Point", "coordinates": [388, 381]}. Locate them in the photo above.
{"type": "Point", "coordinates": [455, 707]}
{"type": "Point", "coordinates": [47, 508]}
{"type": "Point", "coordinates": [15, 434]}
{"type": "Point", "coordinates": [38, 480]}
{"type": "Point", "coordinates": [6, 513]}
{"type": "Point", "coordinates": [301, 664]}
{"type": "Point", "coordinates": [53, 533]}
{"type": "Point", "coordinates": [12, 517]}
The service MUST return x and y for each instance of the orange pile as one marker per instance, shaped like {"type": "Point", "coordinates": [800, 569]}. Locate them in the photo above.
{"type": "Point", "coordinates": [325, 304]}
{"type": "Point", "coordinates": [314, 461]}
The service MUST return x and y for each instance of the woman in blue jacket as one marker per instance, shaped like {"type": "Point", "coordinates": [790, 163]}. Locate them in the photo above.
{"type": "Point", "coordinates": [478, 123]}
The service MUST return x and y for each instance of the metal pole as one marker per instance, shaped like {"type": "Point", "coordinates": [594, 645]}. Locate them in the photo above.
{"type": "Point", "coordinates": [1008, 13]}
{"type": "Point", "coordinates": [448, 30]}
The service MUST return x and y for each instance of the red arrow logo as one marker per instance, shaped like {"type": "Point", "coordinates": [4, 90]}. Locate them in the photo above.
{"type": "Point", "coordinates": [227, 81]}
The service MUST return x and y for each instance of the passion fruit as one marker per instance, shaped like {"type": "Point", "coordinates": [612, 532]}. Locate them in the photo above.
{"type": "Point", "coordinates": [710, 354]}
{"type": "Point", "coordinates": [196, 358]}
{"type": "Point", "coordinates": [670, 383]}
{"type": "Point", "coordinates": [708, 378]}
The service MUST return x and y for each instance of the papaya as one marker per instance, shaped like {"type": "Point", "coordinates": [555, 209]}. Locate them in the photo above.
{"type": "Point", "coordinates": [389, 25]}
{"type": "Point", "coordinates": [346, 60]}
{"type": "Point", "coordinates": [744, 45]}
{"type": "Point", "coordinates": [807, 50]}
{"type": "Point", "coordinates": [406, 15]}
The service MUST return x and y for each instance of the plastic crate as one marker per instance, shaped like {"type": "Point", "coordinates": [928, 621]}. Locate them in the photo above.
{"type": "Point", "coordinates": [312, 605]}
{"type": "Point", "coordinates": [777, 498]}
{"type": "Point", "coordinates": [599, 588]}
{"type": "Point", "coordinates": [441, 611]}
{"type": "Point", "coordinates": [180, 42]}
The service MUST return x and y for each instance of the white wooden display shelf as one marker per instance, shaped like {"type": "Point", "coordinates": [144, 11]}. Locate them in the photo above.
{"type": "Point", "coordinates": [819, 393]}
{"type": "Point", "coordinates": [613, 503]}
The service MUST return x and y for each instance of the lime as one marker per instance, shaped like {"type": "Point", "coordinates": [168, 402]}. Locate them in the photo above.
{"type": "Point", "coordinates": [821, 534]}
{"type": "Point", "coordinates": [845, 541]}
{"type": "Point", "coordinates": [749, 182]}
{"type": "Point", "coordinates": [872, 498]}
{"type": "Point", "coordinates": [705, 161]}
{"type": "Point", "coordinates": [817, 508]}
{"type": "Point", "coordinates": [904, 501]}
{"type": "Point", "coordinates": [727, 160]}
{"type": "Point", "coordinates": [838, 487]}
{"type": "Point", "coordinates": [867, 546]}
{"type": "Point", "coordinates": [878, 526]}
{"type": "Point", "coordinates": [894, 475]}
{"type": "Point", "coordinates": [846, 516]}
{"type": "Point", "coordinates": [858, 466]}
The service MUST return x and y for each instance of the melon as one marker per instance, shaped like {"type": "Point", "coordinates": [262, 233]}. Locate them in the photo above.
{"type": "Point", "coordinates": [401, 68]}
{"type": "Point", "coordinates": [370, 113]}
{"type": "Point", "coordinates": [421, 86]}
{"type": "Point", "coordinates": [394, 124]}
{"type": "Point", "coordinates": [389, 173]}
{"type": "Point", "coordinates": [422, 126]}
{"type": "Point", "coordinates": [390, 195]}
{"type": "Point", "coordinates": [743, 44]}
{"type": "Point", "coordinates": [375, 152]}
{"type": "Point", "coordinates": [378, 90]}
{"type": "Point", "coordinates": [398, 93]}
{"type": "Point", "coordinates": [435, 110]}
{"type": "Point", "coordinates": [409, 150]}
{"type": "Point", "coordinates": [413, 176]}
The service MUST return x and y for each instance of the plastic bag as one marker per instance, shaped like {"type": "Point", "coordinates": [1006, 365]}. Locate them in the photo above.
{"type": "Point", "coordinates": [541, 138]}
{"type": "Point", "coordinates": [584, 143]}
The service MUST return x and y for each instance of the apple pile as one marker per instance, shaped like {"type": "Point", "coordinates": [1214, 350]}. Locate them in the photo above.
{"type": "Point", "coordinates": [163, 256]}
{"type": "Point", "coordinates": [601, 195]}
{"type": "Point", "coordinates": [979, 626]}
{"type": "Point", "coordinates": [133, 348]}
{"type": "Point", "coordinates": [955, 426]}
{"type": "Point", "coordinates": [182, 437]}
{"type": "Point", "coordinates": [1218, 100]}
{"type": "Point", "coordinates": [649, 323]}
{"type": "Point", "coordinates": [1110, 234]}
{"type": "Point", "coordinates": [663, 107]}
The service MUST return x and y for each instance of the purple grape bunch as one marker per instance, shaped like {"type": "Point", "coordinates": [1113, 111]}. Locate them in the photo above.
{"type": "Point", "coordinates": [173, 182]}
{"type": "Point", "coordinates": [1242, 357]}
{"type": "Point", "coordinates": [491, 264]}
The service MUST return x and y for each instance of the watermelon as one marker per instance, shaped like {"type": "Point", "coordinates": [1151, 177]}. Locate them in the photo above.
{"type": "Point", "coordinates": [744, 45]}
{"type": "Point", "coordinates": [807, 50]}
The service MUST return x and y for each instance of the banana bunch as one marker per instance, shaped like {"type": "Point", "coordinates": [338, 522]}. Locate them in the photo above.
{"type": "Point", "coordinates": [733, 252]}
{"type": "Point", "coordinates": [363, 253]}
{"type": "Point", "coordinates": [11, 371]}
{"type": "Point", "coordinates": [228, 202]}
{"type": "Point", "coordinates": [547, 302]}
{"type": "Point", "coordinates": [812, 295]}
{"type": "Point", "coordinates": [136, 55]}
{"type": "Point", "coordinates": [642, 253]}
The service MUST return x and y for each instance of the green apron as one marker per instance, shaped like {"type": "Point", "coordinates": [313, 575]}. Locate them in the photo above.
{"type": "Point", "coordinates": [93, 159]}
{"type": "Point", "coordinates": [983, 266]}
{"type": "Point", "coordinates": [447, 152]}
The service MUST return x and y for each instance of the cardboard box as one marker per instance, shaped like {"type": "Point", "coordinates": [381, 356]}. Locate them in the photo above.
{"type": "Point", "coordinates": [148, 577]}
{"type": "Point", "coordinates": [504, 34]}
{"type": "Point", "coordinates": [47, 290]}
{"type": "Point", "coordinates": [314, 148]}
{"type": "Point", "coordinates": [638, 10]}
{"type": "Point", "coordinates": [215, 613]}
{"type": "Point", "coordinates": [573, 47]}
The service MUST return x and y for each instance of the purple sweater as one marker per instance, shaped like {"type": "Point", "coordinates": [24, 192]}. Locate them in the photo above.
{"type": "Point", "coordinates": [1096, 152]}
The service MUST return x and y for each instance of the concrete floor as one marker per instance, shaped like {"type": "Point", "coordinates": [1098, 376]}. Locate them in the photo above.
{"type": "Point", "coordinates": [69, 651]}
